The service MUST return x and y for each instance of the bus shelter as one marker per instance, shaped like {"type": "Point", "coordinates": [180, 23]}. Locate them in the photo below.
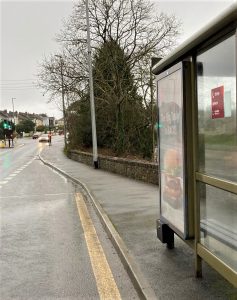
{"type": "Point", "coordinates": [197, 134]}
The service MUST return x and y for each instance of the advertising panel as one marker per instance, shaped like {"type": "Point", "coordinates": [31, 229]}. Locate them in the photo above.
{"type": "Point", "coordinates": [220, 102]}
{"type": "Point", "coordinates": [171, 158]}
{"type": "Point", "coordinates": [217, 98]}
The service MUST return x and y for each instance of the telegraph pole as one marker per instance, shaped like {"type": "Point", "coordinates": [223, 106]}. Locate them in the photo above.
{"type": "Point", "coordinates": [92, 104]}
{"type": "Point", "coordinates": [13, 110]}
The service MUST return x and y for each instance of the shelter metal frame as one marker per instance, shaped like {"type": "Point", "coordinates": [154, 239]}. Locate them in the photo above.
{"type": "Point", "coordinates": [217, 31]}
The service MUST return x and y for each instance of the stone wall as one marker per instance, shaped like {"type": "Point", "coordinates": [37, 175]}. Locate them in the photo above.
{"type": "Point", "coordinates": [145, 171]}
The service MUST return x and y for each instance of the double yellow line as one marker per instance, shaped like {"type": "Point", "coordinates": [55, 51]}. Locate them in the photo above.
{"type": "Point", "coordinates": [106, 285]}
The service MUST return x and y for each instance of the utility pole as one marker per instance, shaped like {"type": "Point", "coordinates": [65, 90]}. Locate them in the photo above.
{"type": "Point", "coordinates": [92, 104]}
{"type": "Point", "coordinates": [13, 110]}
{"type": "Point", "coordinates": [63, 102]}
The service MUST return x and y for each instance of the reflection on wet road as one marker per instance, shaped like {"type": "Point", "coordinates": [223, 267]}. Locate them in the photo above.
{"type": "Point", "coordinates": [44, 252]}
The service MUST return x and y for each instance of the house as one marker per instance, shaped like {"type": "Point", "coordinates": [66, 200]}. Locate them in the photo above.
{"type": "Point", "coordinates": [48, 121]}
{"type": "Point", "coordinates": [22, 117]}
{"type": "Point", "coordinates": [13, 117]}
{"type": "Point", "coordinates": [3, 115]}
{"type": "Point", "coordinates": [37, 119]}
{"type": "Point", "coordinates": [59, 122]}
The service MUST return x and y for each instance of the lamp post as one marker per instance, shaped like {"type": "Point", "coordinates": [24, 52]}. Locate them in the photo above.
{"type": "Point", "coordinates": [63, 102]}
{"type": "Point", "coordinates": [92, 104]}
{"type": "Point", "coordinates": [154, 60]}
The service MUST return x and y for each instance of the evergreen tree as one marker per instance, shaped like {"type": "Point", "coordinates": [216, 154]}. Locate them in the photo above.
{"type": "Point", "coordinates": [120, 115]}
{"type": "Point", "coordinates": [25, 126]}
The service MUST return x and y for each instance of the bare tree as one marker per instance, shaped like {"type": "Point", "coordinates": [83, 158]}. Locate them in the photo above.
{"type": "Point", "coordinates": [133, 24]}
{"type": "Point", "coordinates": [75, 78]}
{"type": "Point", "coordinates": [135, 27]}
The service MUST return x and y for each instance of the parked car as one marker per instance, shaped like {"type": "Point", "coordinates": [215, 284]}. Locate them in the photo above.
{"type": "Point", "coordinates": [43, 138]}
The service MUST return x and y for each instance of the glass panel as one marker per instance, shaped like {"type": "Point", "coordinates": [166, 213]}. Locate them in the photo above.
{"type": "Point", "coordinates": [170, 104]}
{"type": "Point", "coordinates": [217, 110]}
{"type": "Point", "coordinates": [219, 223]}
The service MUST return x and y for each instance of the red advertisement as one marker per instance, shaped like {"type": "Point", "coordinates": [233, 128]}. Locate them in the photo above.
{"type": "Point", "coordinates": [217, 102]}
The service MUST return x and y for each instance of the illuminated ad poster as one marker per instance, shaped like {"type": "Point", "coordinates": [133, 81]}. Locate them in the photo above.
{"type": "Point", "coordinates": [171, 159]}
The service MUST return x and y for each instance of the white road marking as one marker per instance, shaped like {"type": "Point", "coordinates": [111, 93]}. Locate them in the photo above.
{"type": "Point", "coordinates": [12, 175]}
{"type": "Point", "coordinates": [57, 194]}
{"type": "Point", "coordinates": [17, 171]}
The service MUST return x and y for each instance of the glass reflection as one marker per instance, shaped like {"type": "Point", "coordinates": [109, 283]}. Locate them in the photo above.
{"type": "Point", "coordinates": [218, 223]}
{"type": "Point", "coordinates": [217, 111]}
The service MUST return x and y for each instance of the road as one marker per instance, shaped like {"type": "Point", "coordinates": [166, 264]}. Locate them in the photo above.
{"type": "Point", "coordinates": [52, 243]}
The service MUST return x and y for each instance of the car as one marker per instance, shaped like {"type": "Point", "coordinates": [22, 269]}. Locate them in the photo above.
{"type": "Point", "coordinates": [43, 138]}
{"type": "Point", "coordinates": [35, 136]}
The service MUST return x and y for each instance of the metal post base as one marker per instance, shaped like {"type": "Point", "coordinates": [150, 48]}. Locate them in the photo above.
{"type": "Point", "coordinates": [165, 234]}
{"type": "Point", "coordinates": [96, 164]}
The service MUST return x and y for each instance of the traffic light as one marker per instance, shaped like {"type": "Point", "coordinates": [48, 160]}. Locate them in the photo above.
{"type": "Point", "coordinates": [5, 124]}
{"type": "Point", "coordinates": [10, 125]}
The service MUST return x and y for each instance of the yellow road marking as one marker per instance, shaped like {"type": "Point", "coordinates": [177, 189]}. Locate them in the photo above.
{"type": "Point", "coordinates": [106, 285]}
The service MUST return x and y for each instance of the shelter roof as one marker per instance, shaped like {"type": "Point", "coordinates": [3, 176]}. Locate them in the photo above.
{"type": "Point", "coordinates": [228, 17]}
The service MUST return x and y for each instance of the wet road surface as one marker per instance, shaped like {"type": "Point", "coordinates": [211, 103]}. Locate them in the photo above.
{"type": "Point", "coordinates": [52, 243]}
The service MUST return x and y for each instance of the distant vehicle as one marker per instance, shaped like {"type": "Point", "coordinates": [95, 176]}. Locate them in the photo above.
{"type": "Point", "coordinates": [35, 136]}
{"type": "Point", "coordinates": [43, 138]}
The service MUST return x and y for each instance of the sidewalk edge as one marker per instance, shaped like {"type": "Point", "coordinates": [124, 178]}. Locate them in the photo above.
{"type": "Point", "coordinates": [139, 281]}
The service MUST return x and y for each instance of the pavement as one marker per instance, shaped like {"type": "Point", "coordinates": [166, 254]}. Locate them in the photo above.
{"type": "Point", "coordinates": [129, 209]}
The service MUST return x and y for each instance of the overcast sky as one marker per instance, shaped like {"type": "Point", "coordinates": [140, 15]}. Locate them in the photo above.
{"type": "Point", "coordinates": [28, 30]}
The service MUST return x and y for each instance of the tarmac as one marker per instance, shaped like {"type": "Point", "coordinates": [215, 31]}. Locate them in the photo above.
{"type": "Point", "coordinates": [129, 209]}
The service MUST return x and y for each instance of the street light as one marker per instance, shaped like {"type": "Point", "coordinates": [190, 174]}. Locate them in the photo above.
{"type": "Point", "coordinates": [154, 60]}
{"type": "Point", "coordinates": [62, 82]}
{"type": "Point", "coordinates": [92, 104]}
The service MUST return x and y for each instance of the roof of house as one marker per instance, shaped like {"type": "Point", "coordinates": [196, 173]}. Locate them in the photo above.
{"type": "Point", "coordinates": [4, 114]}
{"type": "Point", "coordinates": [22, 115]}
